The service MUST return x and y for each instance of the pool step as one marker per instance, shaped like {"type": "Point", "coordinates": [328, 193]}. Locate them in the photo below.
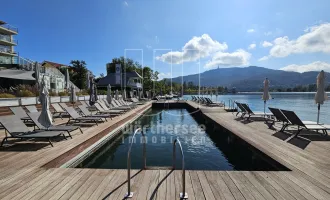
{"type": "Point", "coordinates": [159, 168]}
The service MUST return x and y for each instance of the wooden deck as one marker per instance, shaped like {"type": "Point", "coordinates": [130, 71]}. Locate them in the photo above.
{"type": "Point", "coordinates": [29, 170]}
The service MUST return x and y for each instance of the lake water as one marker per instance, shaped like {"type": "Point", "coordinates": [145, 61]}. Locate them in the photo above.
{"type": "Point", "coordinates": [301, 103]}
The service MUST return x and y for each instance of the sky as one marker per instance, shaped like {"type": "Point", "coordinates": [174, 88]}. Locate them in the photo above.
{"type": "Point", "coordinates": [175, 37]}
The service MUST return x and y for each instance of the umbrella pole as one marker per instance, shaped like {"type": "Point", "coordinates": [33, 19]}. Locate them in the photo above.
{"type": "Point", "coordinates": [265, 107]}
{"type": "Point", "coordinates": [318, 112]}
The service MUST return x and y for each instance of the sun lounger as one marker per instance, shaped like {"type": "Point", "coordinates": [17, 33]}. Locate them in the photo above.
{"type": "Point", "coordinates": [100, 109]}
{"type": "Point", "coordinates": [250, 113]}
{"type": "Point", "coordinates": [212, 104]}
{"type": "Point", "coordinates": [58, 110]}
{"type": "Point", "coordinates": [20, 112]}
{"type": "Point", "coordinates": [88, 113]}
{"type": "Point", "coordinates": [280, 117]}
{"type": "Point", "coordinates": [74, 116]}
{"type": "Point", "coordinates": [295, 121]}
{"type": "Point", "coordinates": [119, 105]}
{"type": "Point", "coordinates": [113, 106]}
{"type": "Point", "coordinates": [17, 129]}
{"type": "Point", "coordinates": [31, 108]}
{"type": "Point", "coordinates": [241, 109]}
{"type": "Point", "coordinates": [34, 117]}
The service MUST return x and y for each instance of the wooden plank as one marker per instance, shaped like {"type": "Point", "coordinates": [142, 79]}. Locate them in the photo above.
{"type": "Point", "coordinates": [161, 192]}
{"type": "Point", "coordinates": [143, 189]}
{"type": "Point", "coordinates": [22, 185]}
{"type": "Point", "coordinates": [47, 191]}
{"type": "Point", "coordinates": [152, 192]}
{"type": "Point", "coordinates": [259, 187]}
{"type": "Point", "coordinates": [116, 186]}
{"type": "Point", "coordinates": [198, 190]}
{"type": "Point", "coordinates": [231, 186]}
{"type": "Point", "coordinates": [272, 187]}
{"type": "Point", "coordinates": [66, 186]}
{"type": "Point", "coordinates": [219, 188]}
{"type": "Point", "coordinates": [170, 186]}
{"type": "Point", "coordinates": [30, 189]}
{"type": "Point", "coordinates": [71, 190]}
{"type": "Point", "coordinates": [308, 186]}
{"type": "Point", "coordinates": [205, 185]}
{"type": "Point", "coordinates": [290, 185]}
{"type": "Point", "coordinates": [98, 191]}
{"type": "Point", "coordinates": [240, 184]}
{"type": "Point", "coordinates": [96, 182]}
{"type": "Point", "coordinates": [78, 193]}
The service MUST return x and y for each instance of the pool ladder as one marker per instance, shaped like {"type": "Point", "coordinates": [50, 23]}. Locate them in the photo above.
{"type": "Point", "coordinates": [129, 194]}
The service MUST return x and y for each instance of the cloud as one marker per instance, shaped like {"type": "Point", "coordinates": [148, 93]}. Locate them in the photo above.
{"type": "Point", "coordinates": [263, 58]}
{"type": "Point", "coordinates": [251, 30]}
{"type": "Point", "coordinates": [266, 44]}
{"type": "Point", "coordinates": [252, 46]}
{"type": "Point", "coordinates": [315, 66]}
{"type": "Point", "coordinates": [164, 75]}
{"type": "Point", "coordinates": [315, 39]}
{"type": "Point", "coordinates": [237, 58]}
{"type": "Point", "coordinates": [194, 49]}
{"type": "Point", "coordinates": [268, 33]}
{"type": "Point", "coordinates": [148, 46]}
{"type": "Point", "coordinates": [125, 3]}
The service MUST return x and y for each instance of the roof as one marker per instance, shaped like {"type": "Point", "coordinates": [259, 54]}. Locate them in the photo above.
{"type": "Point", "coordinates": [17, 74]}
{"type": "Point", "coordinates": [57, 65]}
{"type": "Point", "coordinates": [111, 79]}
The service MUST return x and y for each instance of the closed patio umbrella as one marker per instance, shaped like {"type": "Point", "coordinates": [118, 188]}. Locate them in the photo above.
{"type": "Point", "coordinates": [266, 96]}
{"type": "Point", "coordinates": [37, 73]}
{"type": "Point", "coordinates": [95, 92]}
{"type": "Point", "coordinates": [131, 94]}
{"type": "Point", "coordinates": [320, 95]}
{"type": "Point", "coordinates": [109, 97]}
{"type": "Point", "coordinates": [116, 97]}
{"type": "Point", "coordinates": [92, 98]}
{"type": "Point", "coordinates": [73, 96]}
{"type": "Point", "coordinates": [124, 94]}
{"type": "Point", "coordinates": [45, 117]}
{"type": "Point", "coordinates": [67, 78]}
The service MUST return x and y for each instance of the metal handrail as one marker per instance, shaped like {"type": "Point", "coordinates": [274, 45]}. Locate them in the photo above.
{"type": "Point", "coordinates": [183, 194]}
{"type": "Point", "coordinates": [129, 194]}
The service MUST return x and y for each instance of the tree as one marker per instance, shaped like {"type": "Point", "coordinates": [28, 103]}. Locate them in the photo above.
{"type": "Point", "coordinates": [79, 74]}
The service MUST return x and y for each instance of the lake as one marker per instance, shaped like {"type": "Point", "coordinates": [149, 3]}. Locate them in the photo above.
{"type": "Point", "coordinates": [301, 103]}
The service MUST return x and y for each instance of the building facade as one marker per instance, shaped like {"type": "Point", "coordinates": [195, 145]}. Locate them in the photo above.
{"type": "Point", "coordinates": [7, 43]}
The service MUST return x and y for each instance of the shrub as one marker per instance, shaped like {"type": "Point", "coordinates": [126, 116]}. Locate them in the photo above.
{"type": "Point", "coordinates": [51, 93]}
{"type": "Point", "coordinates": [63, 94]}
{"type": "Point", "coordinates": [101, 92]}
{"type": "Point", "coordinates": [6, 95]}
{"type": "Point", "coordinates": [24, 93]}
{"type": "Point", "coordinates": [82, 93]}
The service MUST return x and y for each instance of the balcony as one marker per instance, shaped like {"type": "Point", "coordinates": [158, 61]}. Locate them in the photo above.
{"type": "Point", "coordinates": [6, 52]}
{"type": "Point", "coordinates": [134, 85]}
{"type": "Point", "coordinates": [7, 29]}
{"type": "Point", "coordinates": [7, 41]}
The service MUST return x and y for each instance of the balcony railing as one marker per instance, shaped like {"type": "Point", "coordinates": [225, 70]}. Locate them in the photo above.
{"type": "Point", "coordinates": [9, 27]}
{"type": "Point", "coordinates": [7, 39]}
{"type": "Point", "coordinates": [6, 50]}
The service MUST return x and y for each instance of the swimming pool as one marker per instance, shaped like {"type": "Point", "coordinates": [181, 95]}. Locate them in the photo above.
{"type": "Point", "coordinates": [204, 148]}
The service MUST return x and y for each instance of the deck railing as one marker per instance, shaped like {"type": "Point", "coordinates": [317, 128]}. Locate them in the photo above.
{"type": "Point", "coordinates": [183, 194]}
{"type": "Point", "coordinates": [129, 193]}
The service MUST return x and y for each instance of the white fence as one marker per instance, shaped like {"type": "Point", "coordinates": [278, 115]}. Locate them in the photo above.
{"type": "Point", "coordinates": [23, 101]}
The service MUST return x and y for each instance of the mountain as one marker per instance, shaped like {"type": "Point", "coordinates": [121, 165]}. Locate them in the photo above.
{"type": "Point", "coordinates": [250, 78]}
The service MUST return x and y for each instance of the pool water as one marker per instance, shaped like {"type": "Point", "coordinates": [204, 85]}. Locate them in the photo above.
{"type": "Point", "coordinates": [204, 148]}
